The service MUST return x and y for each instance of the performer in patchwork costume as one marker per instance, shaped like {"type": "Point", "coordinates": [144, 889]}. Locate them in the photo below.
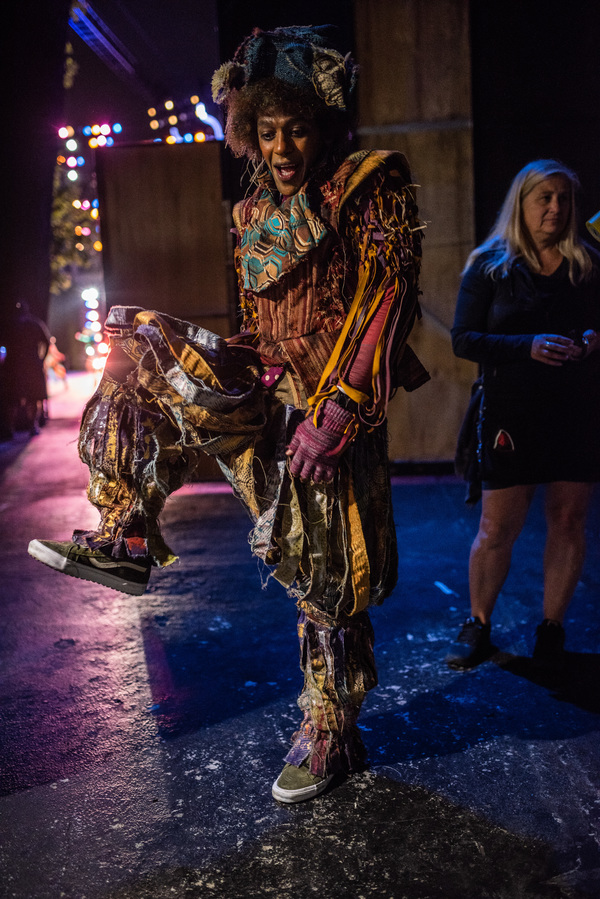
{"type": "Point", "coordinates": [293, 408]}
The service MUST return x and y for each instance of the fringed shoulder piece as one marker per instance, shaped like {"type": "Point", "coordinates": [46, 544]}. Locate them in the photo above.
{"type": "Point", "coordinates": [373, 203]}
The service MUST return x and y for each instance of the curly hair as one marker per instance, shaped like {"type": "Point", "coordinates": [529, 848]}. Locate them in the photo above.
{"type": "Point", "coordinates": [292, 71]}
{"type": "Point", "coordinates": [245, 106]}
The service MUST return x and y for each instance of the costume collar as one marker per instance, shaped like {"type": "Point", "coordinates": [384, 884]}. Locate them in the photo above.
{"type": "Point", "coordinates": [277, 237]}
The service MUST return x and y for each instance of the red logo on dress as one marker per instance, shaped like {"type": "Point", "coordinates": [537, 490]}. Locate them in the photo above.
{"type": "Point", "coordinates": [504, 442]}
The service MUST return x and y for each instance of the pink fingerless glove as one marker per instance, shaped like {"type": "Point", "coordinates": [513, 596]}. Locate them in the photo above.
{"type": "Point", "coordinates": [315, 451]}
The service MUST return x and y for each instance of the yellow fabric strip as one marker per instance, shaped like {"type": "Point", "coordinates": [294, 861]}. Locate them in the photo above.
{"type": "Point", "coordinates": [360, 571]}
{"type": "Point", "coordinates": [334, 361]}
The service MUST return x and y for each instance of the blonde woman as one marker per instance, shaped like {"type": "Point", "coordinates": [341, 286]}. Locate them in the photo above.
{"type": "Point", "coordinates": [528, 312]}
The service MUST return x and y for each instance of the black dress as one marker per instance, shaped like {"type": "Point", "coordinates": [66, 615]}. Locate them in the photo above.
{"type": "Point", "coordinates": [538, 423]}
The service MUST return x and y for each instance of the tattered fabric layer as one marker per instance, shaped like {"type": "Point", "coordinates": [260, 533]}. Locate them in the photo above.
{"type": "Point", "coordinates": [339, 669]}
{"type": "Point", "coordinates": [172, 390]}
{"type": "Point", "coordinates": [185, 389]}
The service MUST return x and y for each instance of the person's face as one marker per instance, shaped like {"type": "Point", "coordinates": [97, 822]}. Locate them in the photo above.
{"type": "Point", "coordinates": [289, 145]}
{"type": "Point", "coordinates": [546, 209]}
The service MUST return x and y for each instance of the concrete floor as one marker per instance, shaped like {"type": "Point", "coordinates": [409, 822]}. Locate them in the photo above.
{"type": "Point", "coordinates": [140, 736]}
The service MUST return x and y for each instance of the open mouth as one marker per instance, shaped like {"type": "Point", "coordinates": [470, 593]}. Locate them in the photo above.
{"type": "Point", "coordinates": [286, 172]}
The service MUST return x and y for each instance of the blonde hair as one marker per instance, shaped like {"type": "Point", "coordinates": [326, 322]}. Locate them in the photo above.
{"type": "Point", "coordinates": [509, 238]}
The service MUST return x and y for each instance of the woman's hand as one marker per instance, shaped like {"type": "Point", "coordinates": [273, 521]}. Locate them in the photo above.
{"type": "Point", "coordinates": [553, 349]}
{"type": "Point", "coordinates": [590, 342]}
{"type": "Point", "coordinates": [584, 345]}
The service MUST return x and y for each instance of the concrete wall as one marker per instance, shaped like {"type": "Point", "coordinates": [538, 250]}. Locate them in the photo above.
{"type": "Point", "coordinates": [415, 96]}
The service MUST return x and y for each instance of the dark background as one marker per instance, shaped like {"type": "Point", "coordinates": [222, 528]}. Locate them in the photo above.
{"type": "Point", "coordinates": [535, 94]}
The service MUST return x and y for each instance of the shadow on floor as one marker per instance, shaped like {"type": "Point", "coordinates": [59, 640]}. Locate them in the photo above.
{"type": "Point", "coordinates": [578, 684]}
{"type": "Point", "coordinates": [485, 705]}
{"type": "Point", "coordinates": [406, 843]}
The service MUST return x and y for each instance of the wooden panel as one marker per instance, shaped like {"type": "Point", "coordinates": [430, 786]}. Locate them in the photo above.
{"type": "Point", "coordinates": [165, 235]}
{"type": "Point", "coordinates": [164, 229]}
{"type": "Point", "coordinates": [415, 61]}
{"type": "Point", "coordinates": [414, 96]}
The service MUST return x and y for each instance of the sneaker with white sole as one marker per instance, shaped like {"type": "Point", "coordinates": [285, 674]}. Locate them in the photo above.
{"type": "Point", "coordinates": [295, 784]}
{"type": "Point", "coordinates": [92, 565]}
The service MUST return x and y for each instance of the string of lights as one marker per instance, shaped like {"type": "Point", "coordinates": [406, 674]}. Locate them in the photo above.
{"type": "Point", "coordinates": [171, 122]}
{"type": "Point", "coordinates": [170, 119]}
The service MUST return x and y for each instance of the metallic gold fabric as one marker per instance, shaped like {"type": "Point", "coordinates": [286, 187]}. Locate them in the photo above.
{"type": "Point", "coordinates": [172, 390]}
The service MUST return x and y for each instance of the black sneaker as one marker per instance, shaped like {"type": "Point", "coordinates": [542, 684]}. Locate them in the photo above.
{"type": "Point", "coordinates": [549, 649]}
{"type": "Point", "coordinates": [472, 646]}
{"type": "Point", "coordinates": [92, 565]}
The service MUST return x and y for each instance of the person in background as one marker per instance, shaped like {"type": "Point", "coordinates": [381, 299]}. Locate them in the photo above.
{"type": "Point", "coordinates": [528, 312]}
{"type": "Point", "coordinates": [294, 407]}
{"type": "Point", "coordinates": [27, 343]}
{"type": "Point", "coordinates": [54, 361]}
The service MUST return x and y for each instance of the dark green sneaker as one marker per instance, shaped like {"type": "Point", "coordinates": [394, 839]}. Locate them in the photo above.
{"type": "Point", "coordinates": [92, 565]}
{"type": "Point", "coordinates": [472, 645]}
{"type": "Point", "coordinates": [297, 784]}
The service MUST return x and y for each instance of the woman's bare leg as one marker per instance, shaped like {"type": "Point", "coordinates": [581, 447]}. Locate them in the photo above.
{"type": "Point", "coordinates": [567, 504]}
{"type": "Point", "coordinates": [503, 515]}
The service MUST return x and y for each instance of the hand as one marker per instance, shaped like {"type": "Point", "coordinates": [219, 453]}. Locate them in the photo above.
{"type": "Point", "coordinates": [590, 338]}
{"type": "Point", "coordinates": [314, 452]}
{"type": "Point", "coordinates": [553, 349]}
